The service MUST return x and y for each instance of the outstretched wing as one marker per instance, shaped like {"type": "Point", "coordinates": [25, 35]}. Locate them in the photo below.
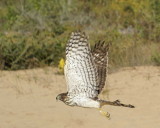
{"type": "Point", "coordinates": [80, 70]}
{"type": "Point", "coordinates": [100, 57]}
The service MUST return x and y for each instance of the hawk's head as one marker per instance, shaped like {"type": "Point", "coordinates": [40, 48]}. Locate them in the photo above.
{"type": "Point", "coordinates": [62, 97]}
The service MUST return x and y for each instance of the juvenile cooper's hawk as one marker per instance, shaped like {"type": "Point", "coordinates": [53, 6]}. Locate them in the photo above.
{"type": "Point", "coordinates": [85, 73]}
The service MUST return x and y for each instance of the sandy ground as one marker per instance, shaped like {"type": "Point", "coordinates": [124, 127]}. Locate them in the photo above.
{"type": "Point", "coordinates": [27, 100]}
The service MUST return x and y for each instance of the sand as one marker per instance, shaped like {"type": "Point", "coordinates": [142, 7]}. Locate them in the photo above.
{"type": "Point", "coordinates": [28, 100]}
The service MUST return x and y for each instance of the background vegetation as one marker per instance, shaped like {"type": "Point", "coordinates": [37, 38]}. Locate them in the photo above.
{"type": "Point", "coordinates": [33, 33]}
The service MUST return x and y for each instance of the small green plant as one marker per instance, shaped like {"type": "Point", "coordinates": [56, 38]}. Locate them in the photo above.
{"type": "Point", "coordinates": [156, 58]}
{"type": "Point", "coordinates": [61, 66]}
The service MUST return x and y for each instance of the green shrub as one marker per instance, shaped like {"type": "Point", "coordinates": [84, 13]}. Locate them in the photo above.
{"type": "Point", "coordinates": [30, 51]}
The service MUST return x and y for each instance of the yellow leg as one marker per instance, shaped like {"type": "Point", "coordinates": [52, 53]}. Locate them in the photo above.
{"type": "Point", "coordinates": [106, 114]}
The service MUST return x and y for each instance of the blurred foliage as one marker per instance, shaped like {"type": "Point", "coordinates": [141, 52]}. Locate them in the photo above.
{"type": "Point", "coordinates": [33, 33]}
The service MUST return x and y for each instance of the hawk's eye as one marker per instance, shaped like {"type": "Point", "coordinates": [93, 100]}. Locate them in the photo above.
{"type": "Point", "coordinates": [58, 98]}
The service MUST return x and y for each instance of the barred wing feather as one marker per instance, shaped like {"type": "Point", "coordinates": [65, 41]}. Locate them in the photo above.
{"type": "Point", "coordinates": [80, 69]}
{"type": "Point", "coordinates": [100, 57]}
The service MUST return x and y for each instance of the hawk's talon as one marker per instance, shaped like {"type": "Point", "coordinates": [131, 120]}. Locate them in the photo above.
{"type": "Point", "coordinates": [106, 114]}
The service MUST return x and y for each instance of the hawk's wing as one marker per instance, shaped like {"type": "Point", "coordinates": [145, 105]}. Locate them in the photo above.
{"type": "Point", "coordinates": [100, 57]}
{"type": "Point", "coordinates": [80, 70]}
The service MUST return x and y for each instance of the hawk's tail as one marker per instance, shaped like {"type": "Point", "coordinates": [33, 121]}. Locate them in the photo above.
{"type": "Point", "coordinates": [115, 103]}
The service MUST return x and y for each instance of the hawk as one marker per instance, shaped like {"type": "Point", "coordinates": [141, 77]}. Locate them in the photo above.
{"type": "Point", "coordinates": [85, 73]}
